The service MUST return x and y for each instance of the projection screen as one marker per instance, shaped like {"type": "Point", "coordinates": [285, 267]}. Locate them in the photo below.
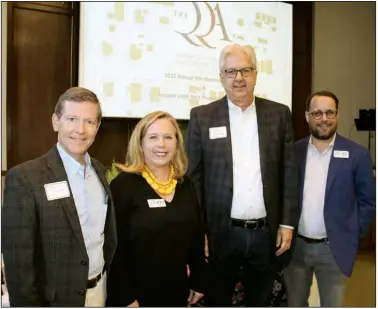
{"type": "Point", "coordinates": [140, 57]}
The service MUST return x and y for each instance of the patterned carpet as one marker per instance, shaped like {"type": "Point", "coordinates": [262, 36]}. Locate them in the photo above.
{"type": "Point", "coordinates": [278, 294]}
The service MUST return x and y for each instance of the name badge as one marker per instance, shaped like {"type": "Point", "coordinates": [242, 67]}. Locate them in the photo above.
{"type": "Point", "coordinates": [57, 190]}
{"type": "Point", "coordinates": [217, 132]}
{"type": "Point", "coordinates": [344, 154]}
{"type": "Point", "coordinates": [156, 203]}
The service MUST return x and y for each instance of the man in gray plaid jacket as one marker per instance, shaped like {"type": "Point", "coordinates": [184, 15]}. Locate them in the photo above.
{"type": "Point", "coordinates": [58, 224]}
{"type": "Point", "coordinates": [241, 160]}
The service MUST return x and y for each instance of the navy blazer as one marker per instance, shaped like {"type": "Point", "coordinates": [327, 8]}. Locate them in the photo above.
{"type": "Point", "coordinates": [349, 202]}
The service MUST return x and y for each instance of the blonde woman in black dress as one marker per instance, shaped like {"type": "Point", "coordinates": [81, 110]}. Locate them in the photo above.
{"type": "Point", "coordinates": [159, 222]}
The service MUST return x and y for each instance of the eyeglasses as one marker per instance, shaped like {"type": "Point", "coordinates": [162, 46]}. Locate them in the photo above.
{"type": "Point", "coordinates": [330, 114]}
{"type": "Point", "coordinates": [245, 72]}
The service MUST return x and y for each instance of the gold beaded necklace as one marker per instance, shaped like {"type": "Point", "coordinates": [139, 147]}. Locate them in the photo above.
{"type": "Point", "coordinates": [164, 188]}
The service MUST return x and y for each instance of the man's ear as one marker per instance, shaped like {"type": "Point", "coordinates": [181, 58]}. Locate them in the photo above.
{"type": "Point", "coordinates": [55, 122]}
{"type": "Point", "coordinates": [307, 114]}
{"type": "Point", "coordinates": [221, 78]}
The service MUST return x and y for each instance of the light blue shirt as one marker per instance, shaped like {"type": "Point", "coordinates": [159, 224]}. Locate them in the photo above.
{"type": "Point", "coordinates": [91, 205]}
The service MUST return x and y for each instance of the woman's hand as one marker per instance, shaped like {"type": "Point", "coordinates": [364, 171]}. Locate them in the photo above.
{"type": "Point", "coordinates": [206, 247]}
{"type": "Point", "coordinates": [194, 297]}
{"type": "Point", "coordinates": [134, 304]}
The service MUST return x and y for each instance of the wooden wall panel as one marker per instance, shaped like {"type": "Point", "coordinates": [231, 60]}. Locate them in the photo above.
{"type": "Point", "coordinates": [39, 70]}
{"type": "Point", "coordinates": [302, 64]}
{"type": "Point", "coordinates": [302, 84]}
{"type": "Point", "coordinates": [112, 140]}
{"type": "Point", "coordinates": [55, 4]}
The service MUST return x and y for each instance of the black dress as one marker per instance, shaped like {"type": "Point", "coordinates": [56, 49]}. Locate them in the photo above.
{"type": "Point", "coordinates": [155, 245]}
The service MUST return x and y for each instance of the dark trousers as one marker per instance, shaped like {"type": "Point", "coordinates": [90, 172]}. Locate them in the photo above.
{"type": "Point", "coordinates": [251, 250]}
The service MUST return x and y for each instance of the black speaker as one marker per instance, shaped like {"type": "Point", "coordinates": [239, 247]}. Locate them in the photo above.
{"type": "Point", "coordinates": [366, 122]}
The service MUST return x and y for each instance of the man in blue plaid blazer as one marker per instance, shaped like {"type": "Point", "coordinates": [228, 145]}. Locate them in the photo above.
{"type": "Point", "coordinates": [58, 223]}
{"type": "Point", "coordinates": [241, 160]}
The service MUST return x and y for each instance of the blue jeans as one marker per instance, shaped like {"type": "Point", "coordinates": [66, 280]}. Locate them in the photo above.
{"type": "Point", "coordinates": [309, 259]}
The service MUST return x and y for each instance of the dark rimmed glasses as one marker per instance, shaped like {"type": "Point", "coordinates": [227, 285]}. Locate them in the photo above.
{"type": "Point", "coordinates": [330, 114]}
{"type": "Point", "coordinates": [245, 72]}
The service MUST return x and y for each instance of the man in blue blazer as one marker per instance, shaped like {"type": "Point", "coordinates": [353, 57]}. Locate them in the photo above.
{"type": "Point", "coordinates": [337, 203]}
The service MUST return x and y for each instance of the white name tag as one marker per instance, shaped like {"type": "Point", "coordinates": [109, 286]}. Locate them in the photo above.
{"type": "Point", "coordinates": [57, 190]}
{"type": "Point", "coordinates": [217, 132]}
{"type": "Point", "coordinates": [341, 154]}
{"type": "Point", "coordinates": [156, 203]}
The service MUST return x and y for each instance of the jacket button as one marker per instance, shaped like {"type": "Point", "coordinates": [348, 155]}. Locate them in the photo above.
{"type": "Point", "coordinates": [84, 263]}
{"type": "Point", "coordinates": [82, 292]}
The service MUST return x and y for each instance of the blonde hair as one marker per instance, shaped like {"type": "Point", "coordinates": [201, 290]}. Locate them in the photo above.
{"type": "Point", "coordinates": [135, 157]}
{"type": "Point", "coordinates": [229, 49]}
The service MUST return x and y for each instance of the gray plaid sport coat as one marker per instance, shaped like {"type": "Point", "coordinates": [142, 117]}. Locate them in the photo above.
{"type": "Point", "coordinates": [211, 166]}
{"type": "Point", "coordinates": [45, 259]}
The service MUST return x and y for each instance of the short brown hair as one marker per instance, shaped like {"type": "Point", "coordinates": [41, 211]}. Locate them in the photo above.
{"type": "Point", "coordinates": [322, 93]}
{"type": "Point", "coordinates": [77, 95]}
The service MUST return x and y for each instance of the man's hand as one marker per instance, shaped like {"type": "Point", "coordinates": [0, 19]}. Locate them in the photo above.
{"type": "Point", "coordinates": [284, 237]}
{"type": "Point", "coordinates": [134, 304]}
{"type": "Point", "coordinates": [206, 247]}
{"type": "Point", "coordinates": [194, 297]}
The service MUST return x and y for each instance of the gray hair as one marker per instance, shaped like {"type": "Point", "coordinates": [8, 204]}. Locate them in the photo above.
{"type": "Point", "coordinates": [229, 49]}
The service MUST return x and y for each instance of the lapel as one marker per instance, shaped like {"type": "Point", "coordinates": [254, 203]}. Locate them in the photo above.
{"type": "Point", "coordinates": [104, 182]}
{"type": "Point", "coordinates": [334, 165]}
{"type": "Point", "coordinates": [302, 156]}
{"type": "Point", "coordinates": [264, 131]}
{"type": "Point", "coordinates": [58, 173]}
{"type": "Point", "coordinates": [223, 119]}
{"type": "Point", "coordinates": [101, 176]}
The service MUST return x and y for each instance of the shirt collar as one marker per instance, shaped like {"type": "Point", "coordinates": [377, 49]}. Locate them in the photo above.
{"type": "Point", "coordinates": [71, 165]}
{"type": "Point", "coordinates": [233, 107]}
{"type": "Point", "coordinates": [331, 144]}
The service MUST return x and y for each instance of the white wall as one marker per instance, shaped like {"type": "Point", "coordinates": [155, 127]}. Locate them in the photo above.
{"type": "Point", "coordinates": [3, 84]}
{"type": "Point", "coordinates": [344, 63]}
{"type": "Point", "coordinates": [344, 60]}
